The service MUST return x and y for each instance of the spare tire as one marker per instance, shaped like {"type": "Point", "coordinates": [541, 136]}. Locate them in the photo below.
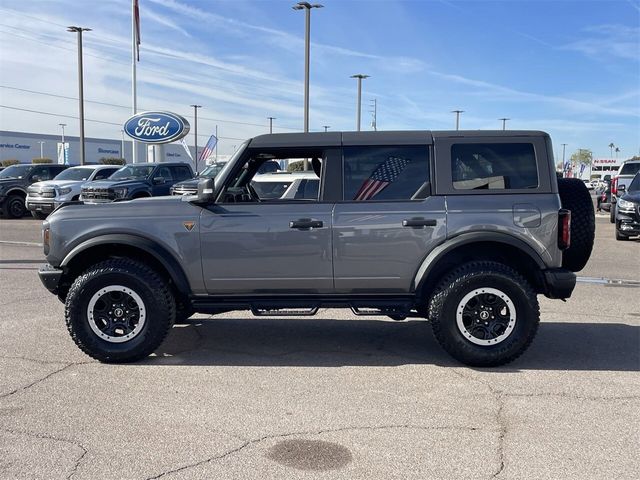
{"type": "Point", "coordinates": [575, 197]}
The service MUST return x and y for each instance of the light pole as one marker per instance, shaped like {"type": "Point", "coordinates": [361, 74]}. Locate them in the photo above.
{"type": "Point", "coordinates": [79, 31]}
{"type": "Point", "coordinates": [271, 119]}
{"type": "Point", "coordinates": [306, 6]}
{"type": "Point", "coordinates": [122, 145]}
{"type": "Point", "coordinates": [564, 168]}
{"type": "Point", "coordinates": [195, 131]}
{"type": "Point", "coordinates": [41, 151]}
{"type": "Point", "coordinates": [359, 77]}
{"type": "Point", "coordinates": [457, 112]}
{"type": "Point", "coordinates": [326, 127]}
{"type": "Point", "coordinates": [62, 125]}
{"type": "Point", "coordinates": [504, 122]}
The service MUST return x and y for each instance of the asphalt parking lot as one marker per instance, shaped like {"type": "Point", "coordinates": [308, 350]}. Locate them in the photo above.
{"type": "Point", "coordinates": [329, 397]}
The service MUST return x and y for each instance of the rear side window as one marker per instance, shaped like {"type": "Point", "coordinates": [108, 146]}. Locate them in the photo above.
{"type": "Point", "coordinates": [493, 166]}
{"type": "Point", "coordinates": [386, 173]}
{"type": "Point", "coordinates": [629, 168]}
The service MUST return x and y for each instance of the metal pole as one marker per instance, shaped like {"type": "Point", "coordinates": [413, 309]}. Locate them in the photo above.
{"type": "Point", "coordinates": [195, 132]}
{"type": "Point", "coordinates": [374, 115]}
{"type": "Point", "coordinates": [271, 119]}
{"type": "Point", "coordinates": [217, 142]}
{"type": "Point", "coordinates": [79, 31]}
{"type": "Point", "coordinates": [504, 122]}
{"type": "Point", "coordinates": [134, 94]}
{"type": "Point", "coordinates": [41, 152]}
{"type": "Point", "coordinates": [359, 77]}
{"type": "Point", "coordinates": [62, 125]}
{"type": "Point", "coordinates": [457, 112]}
{"type": "Point", "coordinates": [564, 145]}
{"type": "Point", "coordinates": [122, 144]}
{"type": "Point", "coordinates": [326, 127]}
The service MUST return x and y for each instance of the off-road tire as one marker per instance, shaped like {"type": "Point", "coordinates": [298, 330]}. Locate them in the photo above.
{"type": "Point", "coordinates": [39, 215]}
{"type": "Point", "coordinates": [468, 278]}
{"type": "Point", "coordinates": [14, 207]}
{"type": "Point", "coordinates": [576, 197]}
{"type": "Point", "coordinates": [145, 282]}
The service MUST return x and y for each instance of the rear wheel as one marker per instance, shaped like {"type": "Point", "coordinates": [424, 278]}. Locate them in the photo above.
{"type": "Point", "coordinates": [118, 311]}
{"type": "Point", "coordinates": [14, 207]}
{"type": "Point", "coordinates": [484, 314]}
{"type": "Point", "coordinates": [575, 197]}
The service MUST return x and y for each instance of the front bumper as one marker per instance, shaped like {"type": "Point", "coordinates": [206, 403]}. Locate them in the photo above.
{"type": "Point", "coordinates": [628, 220]}
{"type": "Point", "coordinates": [559, 282]}
{"type": "Point", "coordinates": [50, 277]}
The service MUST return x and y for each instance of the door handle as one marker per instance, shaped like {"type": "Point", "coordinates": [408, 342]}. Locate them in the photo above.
{"type": "Point", "coordinates": [305, 223]}
{"type": "Point", "coordinates": [419, 222]}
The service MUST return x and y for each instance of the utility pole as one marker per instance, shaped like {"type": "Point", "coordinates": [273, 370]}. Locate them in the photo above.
{"type": "Point", "coordinates": [326, 127]}
{"type": "Point", "coordinates": [195, 131]}
{"type": "Point", "coordinates": [306, 6]}
{"type": "Point", "coordinates": [79, 31]}
{"type": "Point", "coordinates": [564, 168]}
{"type": "Point", "coordinates": [359, 77]}
{"type": "Point", "coordinates": [504, 123]}
{"type": "Point", "coordinates": [62, 125]}
{"type": "Point", "coordinates": [271, 119]}
{"type": "Point", "coordinates": [374, 115]}
{"type": "Point", "coordinates": [457, 112]}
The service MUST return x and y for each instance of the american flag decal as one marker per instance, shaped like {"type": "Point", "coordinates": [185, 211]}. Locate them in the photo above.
{"type": "Point", "coordinates": [384, 174]}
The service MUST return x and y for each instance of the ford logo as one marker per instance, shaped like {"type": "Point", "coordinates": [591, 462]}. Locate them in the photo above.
{"type": "Point", "coordinates": [156, 127]}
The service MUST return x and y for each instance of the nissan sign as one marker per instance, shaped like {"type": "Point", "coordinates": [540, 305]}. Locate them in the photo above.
{"type": "Point", "coordinates": [156, 127]}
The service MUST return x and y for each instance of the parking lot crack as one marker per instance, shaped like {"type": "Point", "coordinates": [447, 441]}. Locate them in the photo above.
{"type": "Point", "coordinates": [42, 436]}
{"type": "Point", "coordinates": [40, 380]}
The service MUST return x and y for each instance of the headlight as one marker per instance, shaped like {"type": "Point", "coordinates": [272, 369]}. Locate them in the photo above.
{"type": "Point", "coordinates": [63, 191]}
{"type": "Point", "coordinates": [625, 205]}
{"type": "Point", "coordinates": [120, 192]}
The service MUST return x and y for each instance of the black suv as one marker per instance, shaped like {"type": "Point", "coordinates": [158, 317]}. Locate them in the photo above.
{"type": "Point", "coordinates": [627, 211]}
{"type": "Point", "coordinates": [137, 181]}
{"type": "Point", "coordinates": [15, 180]}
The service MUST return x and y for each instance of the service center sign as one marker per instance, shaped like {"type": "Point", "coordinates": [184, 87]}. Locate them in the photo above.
{"type": "Point", "coordinates": [156, 127]}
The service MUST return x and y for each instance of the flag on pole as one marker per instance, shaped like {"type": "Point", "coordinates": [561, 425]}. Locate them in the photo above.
{"type": "Point", "coordinates": [208, 148]}
{"type": "Point", "coordinates": [186, 148]}
{"type": "Point", "coordinates": [384, 174]}
{"type": "Point", "coordinates": [136, 10]}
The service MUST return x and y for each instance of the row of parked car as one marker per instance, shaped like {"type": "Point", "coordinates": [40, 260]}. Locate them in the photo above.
{"type": "Point", "coordinates": [40, 189]}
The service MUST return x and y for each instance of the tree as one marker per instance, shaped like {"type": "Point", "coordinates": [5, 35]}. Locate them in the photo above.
{"type": "Point", "coordinates": [295, 167]}
{"type": "Point", "coordinates": [583, 156]}
{"type": "Point", "coordinates": [617, 150]}
{"type": "Point", "coordinates": [611, 147]}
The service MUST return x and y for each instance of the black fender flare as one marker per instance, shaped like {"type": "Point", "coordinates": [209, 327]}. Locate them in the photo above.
{"type": "Point", "coordinates": [161, 254]}
{"type": "Point", "coordinates": [14, 190]}
{"type": "Point", "coordinates": [432, 259]}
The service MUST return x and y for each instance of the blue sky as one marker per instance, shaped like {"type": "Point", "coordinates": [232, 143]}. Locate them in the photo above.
{"type": "Point", "coordinates": [571, 68]}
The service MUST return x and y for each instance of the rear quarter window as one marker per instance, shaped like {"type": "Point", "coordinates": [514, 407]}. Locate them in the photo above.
{"type": "Point", "coordinates": [493, 166]}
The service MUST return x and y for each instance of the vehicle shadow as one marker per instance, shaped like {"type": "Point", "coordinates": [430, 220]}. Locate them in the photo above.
{"type": "Point", "coordinates": [334, 343]}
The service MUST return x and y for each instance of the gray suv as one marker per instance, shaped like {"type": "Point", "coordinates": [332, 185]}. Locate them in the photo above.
{"type": "Point", "coordinates": [464, 228]}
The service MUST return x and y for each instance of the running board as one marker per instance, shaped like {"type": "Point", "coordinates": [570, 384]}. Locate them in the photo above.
{"type": "Point", "coordinates": [284, 312]}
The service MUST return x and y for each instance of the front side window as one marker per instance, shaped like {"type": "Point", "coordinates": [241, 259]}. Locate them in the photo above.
{"type": "Point", "coordinates": [104, 173]}
{"type": "Point", "coordinates": [386, 173]}
{"type": "Point", "coordinates": [181, 173]}
{"type": "Point", "coordinates": [493, 166]}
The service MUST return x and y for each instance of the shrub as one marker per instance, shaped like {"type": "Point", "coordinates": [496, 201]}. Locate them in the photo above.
{"type": "Point", "coordinates": [9, 162]}
{"type": "Point", "coordinates": [295, 166]}
{"type": "Point", "coordinates": [112, 161]}
{"type": "Point", "coordinates": [41, 160]}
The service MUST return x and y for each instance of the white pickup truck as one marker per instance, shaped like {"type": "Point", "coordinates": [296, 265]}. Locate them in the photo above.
{"type": "Point", "coordinates": [621, 181]}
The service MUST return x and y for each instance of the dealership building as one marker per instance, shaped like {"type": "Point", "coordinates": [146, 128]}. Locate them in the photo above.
{"type": "Point", "coordinates": [24, 147]}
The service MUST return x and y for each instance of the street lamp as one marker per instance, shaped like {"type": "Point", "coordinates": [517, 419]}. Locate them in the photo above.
{"type": "Point", "coordinates": [504, 122]}
{"type": "Point", "coordinates": [62, 125]}
{"type": "Point", "coordinates": [41, 152]}
{"type": "Point", "coordinates": [79, 31]}
{"type": "Point", "coordinates": [306, 6]}
{"type": "Point", "coordinates": [195, 131]}
{"type": "Point", "coordinates": [457, 112]}
{"type": "Point", "coordinates": [326, 127]}
{"type": "Point", "coordinates": [271, 119]}
{"type": "Point", "coordinates": [359, 77]}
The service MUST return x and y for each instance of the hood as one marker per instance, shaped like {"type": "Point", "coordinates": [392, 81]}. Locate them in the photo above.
{"type": "Point", "coordinates": [57, 183]}
{"type": "Point", "coordinates": [632, 196]}
{"type": "Point", "coordinates": [114, 183]}
{"type": "Point", "coordinates": [192, 182]}
{"type": "Point", "coordinates": [151, 207]}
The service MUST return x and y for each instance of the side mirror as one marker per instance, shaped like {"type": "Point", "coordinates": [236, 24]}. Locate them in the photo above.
{"type": "Point", "coordinates": [622, 188]}
{"type": "Point", "coordinates": [159, 181]}
{"type": "Point", "coordinates": [205, 191]}
{"type": "Point", "coordinates": [35, 179]}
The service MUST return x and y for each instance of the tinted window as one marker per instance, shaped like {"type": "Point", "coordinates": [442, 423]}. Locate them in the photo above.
{"type": "Point", "coordinates": [165, 173]}
{"type": "Point", "coordinates": [635, 185]}
{"type": "Point", "coordinates": [181, 173]}
{"type": "Point", "coordinates": [385, 173]}
{"type": "Point", "coordinates": [43, 173]}
{"type": "Point", "coordinates": [75, 173]}
{"type": "Point", "coordinates": [308, 190]}
{"type": "Point", "coordinates": [16, 171]}
{"type": "Point", "coordinates": [500, 166]}
{"type": "Point", "coordinates": [131, 172]}
{"type": "Point", "coordinates": [629, 168]}
{"type": "Point", "coordinates": [105, 173]}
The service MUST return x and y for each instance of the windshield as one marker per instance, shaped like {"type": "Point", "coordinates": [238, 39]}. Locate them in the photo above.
{"type": "Point", "coordinates": [133, 172]}
{"type": "Point", "coordinates": [212, 170]}
{"type": "Point", "coordinates": [16, 171]}
{"type": "Point", "coordinates": [630, 168]}
{"type": "Point", "coordinates": [74, 174]}
{"type": "Point", "coordinates": [222, 174]}
{"type": "Point", "coordinates": [635, 185]}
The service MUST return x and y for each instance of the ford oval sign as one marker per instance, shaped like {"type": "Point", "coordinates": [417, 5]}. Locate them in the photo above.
{"type": "Point", "coordinates": [156, 127]}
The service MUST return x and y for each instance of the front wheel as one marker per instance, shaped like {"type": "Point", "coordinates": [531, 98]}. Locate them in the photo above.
{"type": "Point", "coordinates": [119, 311]}
{"type": "Point", "coordinates": [484, 314]}
{"type": "Point", "coordinates": [14, 207]}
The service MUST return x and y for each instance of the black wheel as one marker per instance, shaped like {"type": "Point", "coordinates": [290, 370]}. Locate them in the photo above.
{"type": "Point", "coordinates": [14, 207]}
{"type": "Point", "coordinates": [119, 310]}
{"type": "Point", "coordinates": [612, 213]}
{"type": "Point", "coordinates": [39, 215]}
{"type": "Point", "coordinates": [620, 236]}
{"type": "Point", "coordinates": [575, 197]}
{"type": "Point", "coordinates": [484, 314]}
